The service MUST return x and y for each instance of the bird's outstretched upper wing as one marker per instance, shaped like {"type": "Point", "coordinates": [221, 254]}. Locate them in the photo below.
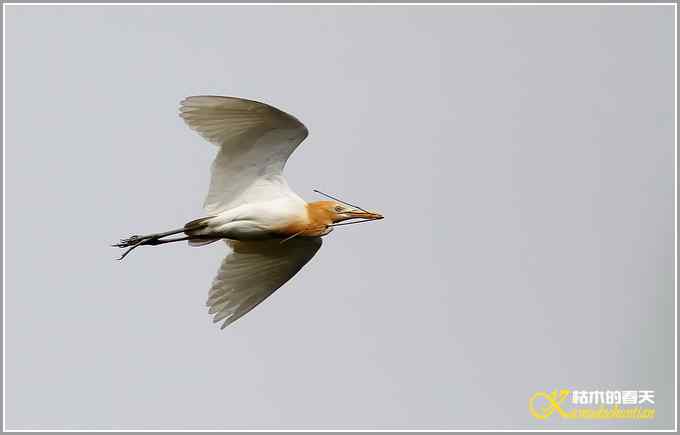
{"type": "Point", "coordinates": [255, 141]}
{"type": "Point", "coordinates": [253, 271]}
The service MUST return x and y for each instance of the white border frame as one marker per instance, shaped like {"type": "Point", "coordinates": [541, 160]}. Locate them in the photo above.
{"type": "Point", "coordinates": [675, 213]}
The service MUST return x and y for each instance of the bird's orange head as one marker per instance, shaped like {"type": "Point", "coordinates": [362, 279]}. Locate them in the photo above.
{"type": "Point", "coordinates": [331, 212]}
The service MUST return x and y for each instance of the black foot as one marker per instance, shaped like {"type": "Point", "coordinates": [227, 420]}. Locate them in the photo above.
{"type": "Point", "coordinates": [130, 241]}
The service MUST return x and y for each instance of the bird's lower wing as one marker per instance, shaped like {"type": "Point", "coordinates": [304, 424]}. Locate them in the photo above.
{"type": "Point", "coordinates": [253, 271]}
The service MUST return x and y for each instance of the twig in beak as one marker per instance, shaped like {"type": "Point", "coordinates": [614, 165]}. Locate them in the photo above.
{"type": "Point", "coordinates": [350, 223]}
{"type": "Point", "coordinates": [290, 237]}
{"type": "Point", "coordinates": [340, 200]}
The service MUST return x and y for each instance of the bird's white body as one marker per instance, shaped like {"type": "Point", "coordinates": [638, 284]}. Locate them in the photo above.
{"type": "Point", "coordinates": [256, 221]}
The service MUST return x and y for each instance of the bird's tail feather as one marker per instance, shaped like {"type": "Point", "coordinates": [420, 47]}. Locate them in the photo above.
{"type": "Point", "coordinates": [198, 243]}
{"type": "Point", "coordinates": [192, 230]}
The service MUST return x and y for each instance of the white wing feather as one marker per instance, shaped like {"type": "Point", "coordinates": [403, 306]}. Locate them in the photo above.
{"type": "Point", "coordinates": [255, 142]}
{"type": "Point", "coordinates": [253, 272]}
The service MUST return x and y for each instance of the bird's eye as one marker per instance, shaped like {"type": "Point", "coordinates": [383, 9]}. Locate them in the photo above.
{"type": "Point", "coordinates": [338, 208]}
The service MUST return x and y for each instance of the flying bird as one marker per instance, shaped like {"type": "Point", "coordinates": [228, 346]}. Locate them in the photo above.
{"type": "Point", "coordinates": [271, 230]}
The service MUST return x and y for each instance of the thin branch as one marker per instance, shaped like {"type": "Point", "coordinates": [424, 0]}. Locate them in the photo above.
{"type": "Point", "coordinates": [350, 223]}
{"type": "Point", "coordinates": [340, 200]}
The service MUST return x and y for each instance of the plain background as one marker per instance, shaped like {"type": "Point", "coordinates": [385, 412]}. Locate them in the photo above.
{"type": "Point", "coordinates": [522, 156]}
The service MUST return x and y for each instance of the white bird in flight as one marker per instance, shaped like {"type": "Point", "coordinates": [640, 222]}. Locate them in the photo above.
{"type": "Point", "coordinates": [273, 232]}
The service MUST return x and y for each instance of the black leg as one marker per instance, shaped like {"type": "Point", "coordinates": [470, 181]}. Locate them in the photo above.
{"type": "Point", "coordinates": [153, 241]}
{"type": "Point", "coordinates": [134, 240]}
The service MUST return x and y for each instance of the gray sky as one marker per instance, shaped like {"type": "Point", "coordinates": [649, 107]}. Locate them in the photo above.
{"type": "Point", "coordinates": [522, 156]}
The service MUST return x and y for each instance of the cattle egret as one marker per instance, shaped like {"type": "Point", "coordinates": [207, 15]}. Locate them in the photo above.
{"type": "Point", "coordinates": [272, 232]}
